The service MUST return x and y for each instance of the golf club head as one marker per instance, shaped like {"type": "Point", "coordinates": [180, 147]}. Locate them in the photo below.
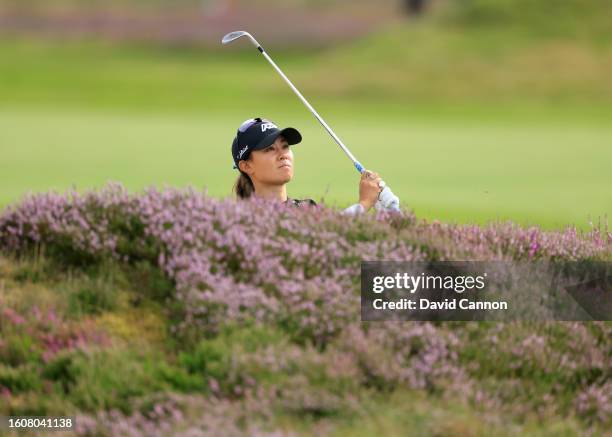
{"type": "Point", "coordinates": [232, 36]}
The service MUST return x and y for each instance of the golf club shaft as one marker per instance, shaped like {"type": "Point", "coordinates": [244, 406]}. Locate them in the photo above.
{"type": "Point", "coordinates": [329, 130]}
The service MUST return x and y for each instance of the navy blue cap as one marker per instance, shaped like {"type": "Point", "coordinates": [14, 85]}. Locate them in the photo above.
{"type": "Point", "coordinates": [258, 133]}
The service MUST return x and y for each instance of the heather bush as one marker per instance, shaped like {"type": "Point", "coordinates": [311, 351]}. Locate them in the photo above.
{"type": "Point", "coordinates": [414, 355]}
{"type": "Point", "coordinates": [172, 415]}
{"type": "Point", "coordinates": [258, 260]}
{"type": "Point", "coordinates": [262, 303]}
{"type": "Point", "coordinates": [38, 336]}
{"type": "Point", "coordinates": [241, 360]}
{"type": "Point", "coordinates": [594, 404]}
{"type": "Point", "coordinates": [537, 367]}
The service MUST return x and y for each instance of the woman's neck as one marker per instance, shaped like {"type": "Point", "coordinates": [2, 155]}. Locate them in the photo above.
{"type": "Point", "coordinates": [271, 192]}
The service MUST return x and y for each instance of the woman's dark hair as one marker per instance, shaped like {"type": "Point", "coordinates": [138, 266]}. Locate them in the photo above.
{"type": "Point", "coordinates": [244, 187]}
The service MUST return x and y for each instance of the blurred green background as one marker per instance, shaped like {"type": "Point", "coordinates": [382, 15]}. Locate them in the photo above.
{"type": "Point", "coordinates": [471, 110]}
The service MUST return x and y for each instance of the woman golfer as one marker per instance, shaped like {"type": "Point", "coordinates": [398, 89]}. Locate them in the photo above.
{"type": "Point", "coordinates": [262, 153]}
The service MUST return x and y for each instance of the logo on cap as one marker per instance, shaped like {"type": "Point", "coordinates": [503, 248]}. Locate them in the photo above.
{"type": "Point", "coordinates": [242, 151]}
{"type": "Point", "coordinates": [266, 126]}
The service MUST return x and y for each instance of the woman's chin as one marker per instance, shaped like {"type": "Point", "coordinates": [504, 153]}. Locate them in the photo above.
{"type": "Point", "coordinates": [286, 174]}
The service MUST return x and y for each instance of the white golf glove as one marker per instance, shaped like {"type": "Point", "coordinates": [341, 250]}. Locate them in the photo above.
{"type": "Point", "coordinates": [386, 199]}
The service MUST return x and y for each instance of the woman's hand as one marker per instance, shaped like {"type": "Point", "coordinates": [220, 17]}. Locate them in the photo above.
{"type": "Point", "coordinates": [368, 189]}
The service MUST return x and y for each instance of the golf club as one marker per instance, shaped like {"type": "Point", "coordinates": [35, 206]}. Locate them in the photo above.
{"type": "Point", "coordinates": [386, 197]}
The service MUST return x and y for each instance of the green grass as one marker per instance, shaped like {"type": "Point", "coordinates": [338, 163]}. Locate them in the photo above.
{"type": "Point", "coordinates": [550, 173]}
{"type": "Point", "coordinates": [395, 414]}
{"type": "Point", "coordinates": [465, 125]}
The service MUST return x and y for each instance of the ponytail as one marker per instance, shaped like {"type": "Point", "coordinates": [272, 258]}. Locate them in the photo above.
{"type": "Point", "coordinates": [244, 187]}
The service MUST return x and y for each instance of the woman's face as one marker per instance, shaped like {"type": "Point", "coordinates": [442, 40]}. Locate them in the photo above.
{"type": "Point", "coordinates": [272, 165]}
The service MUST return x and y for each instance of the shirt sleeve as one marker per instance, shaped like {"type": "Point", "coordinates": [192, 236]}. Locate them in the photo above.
{"type": "Point", "coordinates": [354, 209]}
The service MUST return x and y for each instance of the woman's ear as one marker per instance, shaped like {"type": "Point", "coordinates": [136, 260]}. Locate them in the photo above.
{"type": "Point", "coordinates": [245, 167]}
